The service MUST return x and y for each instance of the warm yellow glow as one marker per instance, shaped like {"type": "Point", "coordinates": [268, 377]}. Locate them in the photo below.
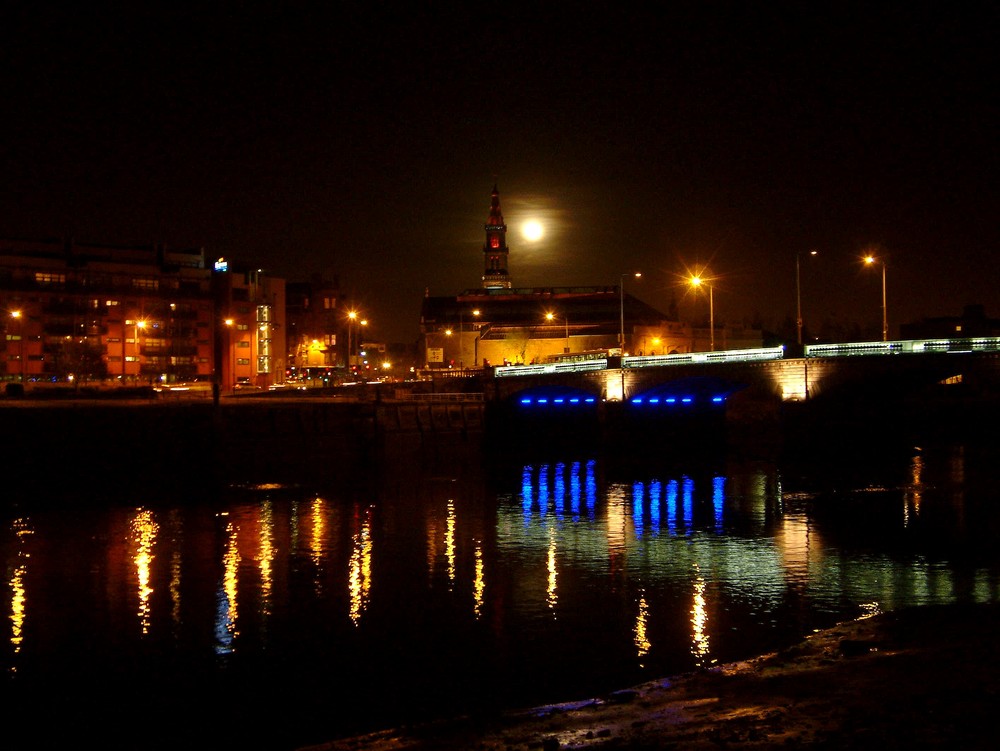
{"type": "Point", "coordinates": [386, 365]}
{"type": "Point", "coordinates": [230, 581]}
{"type": "Point", "coordinates": [532, 230]}
{"type": "Point", "coordinates": [18, 592]}
{"type": "Point", "coordinates": [913, 495]}
{"type": "Point", "coordinates": [699, 624]}
{"type": "Point", "coordinates": [359, 571]}
{"type": "Point", "coordinates": [447, 332]}
{"type": "Point", "coordinates": [318, 530]}
{"type": "Point", "coordinates": [869, 260]}
{"type": "Point", "coordinates": [229, 321]}
{"type": "Point", "coordinates": [144, 531]}
{"type": "Point", "coordinates": [266, 556]}
{"type": "Point", "coordinates": [479, 583]}
{"type": "Point", "coordinates": [552, 597]}
{"type": "Point", "coordinates": [550, 316]}
{"type": "Point", "coordinates": [642, 644]}
{"type": "Point", "coordinates": [15, 314]}
{"type": "Point", "coordinates": [449, 542]}
{"type": "Point", "coordinates": [352, 314]}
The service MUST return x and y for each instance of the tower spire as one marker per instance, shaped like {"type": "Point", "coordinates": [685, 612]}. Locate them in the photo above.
{"type": "Point", "coordinates": [495, 251]}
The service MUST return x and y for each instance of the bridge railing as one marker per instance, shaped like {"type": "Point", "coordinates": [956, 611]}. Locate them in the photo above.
{"type": "Point", "coordinates": [507, 371]}
{"type": "Point", "coordinates": [726, 355]}
{"type": "Point", "coordinates": [906, 346]}
{"type": "Point", "coordinates": [852, 349]}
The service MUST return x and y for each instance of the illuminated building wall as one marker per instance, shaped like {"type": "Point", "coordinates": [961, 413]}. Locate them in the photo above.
{"type": "Point", "coordinates": [137, 315]}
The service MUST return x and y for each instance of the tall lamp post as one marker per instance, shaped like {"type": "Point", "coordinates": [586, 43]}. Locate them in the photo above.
{"type": "Point", "coordinates": [798, 294]}
{"type": "Point", "coordinates": [869, 260]}
{"type": "Point", "coordinates": [552, 317]}
{"type": "Point", "coordinates": [621, 307]}
{"type": "Point", "coordinates": [139, 325]}
{"type": "Point", "coordinates": [698, 281]}
{"type": "Point", "coordinates": [16, 315]}
{"type": "Point", "coordinates": [352, 318]}
{"type": "Point", "coordinates": [232, 351]}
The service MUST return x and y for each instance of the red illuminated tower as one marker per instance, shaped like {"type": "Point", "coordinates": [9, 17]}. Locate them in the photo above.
{"type": "Point", "coordinates": [495, 275]}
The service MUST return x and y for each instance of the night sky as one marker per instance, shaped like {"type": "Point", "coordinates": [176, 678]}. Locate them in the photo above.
{"type": "Point", "coordinates": [362, 141]}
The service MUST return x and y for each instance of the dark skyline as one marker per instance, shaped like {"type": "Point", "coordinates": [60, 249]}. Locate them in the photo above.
{"type": "Point", "coordinates": [363, 143]}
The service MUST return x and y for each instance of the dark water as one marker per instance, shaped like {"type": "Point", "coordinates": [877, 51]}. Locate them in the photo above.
{"type": "Point", "coordinates": [273, 617]}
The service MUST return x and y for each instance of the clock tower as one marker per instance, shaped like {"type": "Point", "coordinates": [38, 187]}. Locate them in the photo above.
{"type": "Point", "coordinates": [495, 251]}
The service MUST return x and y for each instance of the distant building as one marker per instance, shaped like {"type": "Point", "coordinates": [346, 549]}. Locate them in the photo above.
{"type": "Point", "coordinates": [500, 324]}
{"type": "Point", "coordinates": [496, 326]}
{"type": "Point", "coordinates": [495, 251]}
{"type": "Point", "coordinates": [317, 325]}
{"type": "Point", "coordinates": [81, 311]}
{"type": "Point", "coordinates": [972, 323]}
{"type": "Point", "coordinates": [252, 349]}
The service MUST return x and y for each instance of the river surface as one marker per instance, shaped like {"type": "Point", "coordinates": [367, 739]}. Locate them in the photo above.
{"type": "Point", "coordinates": [278, 616]}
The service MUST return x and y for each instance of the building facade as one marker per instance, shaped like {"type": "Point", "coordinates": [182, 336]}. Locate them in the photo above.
{"type": "Point", "coordinates": [253, 351]}
{"type": "Point", "coordinates": [84, 312]}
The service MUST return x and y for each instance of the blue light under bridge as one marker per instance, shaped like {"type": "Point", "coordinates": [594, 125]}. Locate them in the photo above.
{"type": "Point", "coordinates": [556, 397]}
{"type": "Point", "coordinates": [699, 391]}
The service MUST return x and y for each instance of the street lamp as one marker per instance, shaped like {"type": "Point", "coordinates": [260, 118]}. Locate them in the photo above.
{"type": "Point", "coordinates": [16, 315]}
{"type": "Point", "coordinates": [232, 351]}
{"type": "Point", "coordinates": [869, 260]}
{"type": "Point", "coordinates": [621, 307]}
{"type": "Point", "coordinates": [139, 324]}
{"type": "Point", "coordinates": [552, 317]}
{"type": "Point", "coordinates": [698, 281]}
{"type": "Point", "coordinates": [798, 294]}
{"type": "Point", "coordinates": [352, 317]}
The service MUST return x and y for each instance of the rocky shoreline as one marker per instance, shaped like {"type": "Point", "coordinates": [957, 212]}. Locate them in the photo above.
{"type": "Point", "coordinates": [918, 678]}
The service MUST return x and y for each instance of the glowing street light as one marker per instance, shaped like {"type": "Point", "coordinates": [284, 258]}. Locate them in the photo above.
{"type": "Point", "coordinates": [552, 317]}
{"type": "Point", "coordinates": [230, 323]}
{"type": "Point", "coordinates": [140, 325]}
{"type": "Point", "coordinates": [798, 293]}
{"type": "Point", "coordinates": [621, 307]}
{"type": "Point", "coordinates": [353, 318]}
{"type": "Point", "coordinates": [869, 260]}
{"type": "Point", "coordinates": [16, 315]}
{"type": "Point", "coordinates": [696, 282]}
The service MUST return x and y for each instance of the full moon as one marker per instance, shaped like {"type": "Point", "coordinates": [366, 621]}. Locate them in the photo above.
{"type": "Point", "coordinates": [532, 231]}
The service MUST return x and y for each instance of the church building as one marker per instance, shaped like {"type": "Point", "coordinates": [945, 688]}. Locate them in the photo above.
{"type": "Point", "coordinates": [499, 323]}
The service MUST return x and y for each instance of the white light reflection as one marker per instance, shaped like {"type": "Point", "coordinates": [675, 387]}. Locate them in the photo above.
{"type": "Point", "coordinates": [360, 568]}
{"type": "Point", "coordinates": [616, 530]}
{"type": "Point", "coordinates": [144, 531]}
{"type": "Point", "coordinates": [699, 625]}
{"type": "Point", "coordinates": [226, 610]}
{"type": "Point", "coordinates": [642, 644]}
{"type": "Point", "coordinates": [18, 593]}
{"type": "Point", "coordinates": [175, 526]}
